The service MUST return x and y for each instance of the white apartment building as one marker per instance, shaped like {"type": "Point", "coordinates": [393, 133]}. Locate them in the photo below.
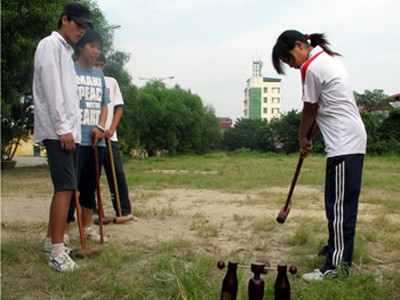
{"type": "Point", "coordinates": [262, 96]}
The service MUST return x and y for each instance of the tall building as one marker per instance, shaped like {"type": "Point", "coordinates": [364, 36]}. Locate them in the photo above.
{"type": "Point", "coordinates": [262, 96]}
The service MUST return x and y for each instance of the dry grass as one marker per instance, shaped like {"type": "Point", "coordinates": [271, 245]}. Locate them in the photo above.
{"type": "Point", "coordinates": [215, 209]}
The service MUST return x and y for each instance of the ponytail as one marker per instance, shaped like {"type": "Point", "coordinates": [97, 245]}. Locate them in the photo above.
{"type": "Point", "coordinates": [286, 42]}
{"type": "Point", "coordinates": [319, 39]}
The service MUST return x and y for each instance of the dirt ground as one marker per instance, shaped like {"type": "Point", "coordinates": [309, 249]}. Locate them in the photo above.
{"type": "Point", "coordinates": [168, 213]}
{"type": "Point", "coordinates": [216, 221]}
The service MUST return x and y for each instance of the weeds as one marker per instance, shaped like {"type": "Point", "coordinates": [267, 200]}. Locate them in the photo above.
{"type": "Point", "coordinates": [238, 223]}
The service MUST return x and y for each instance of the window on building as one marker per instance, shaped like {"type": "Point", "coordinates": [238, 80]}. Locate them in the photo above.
{"type": "Point", "coordinates": [265, 90]}
{"type": "Point", "coordinates": [276, 90]}
{"type": "Point", "coordinates": [265, 110]}
{"type": "Point", "coordinates": [275, 111]}
{"type": "Point", "coordinates": [275, 100]}
{"type": "Point", "coordinates": [265, 100]}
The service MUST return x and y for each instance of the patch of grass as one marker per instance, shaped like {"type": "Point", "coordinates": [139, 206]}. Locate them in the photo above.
{"type": "Point", "coordinates": [202, 226]}
{"type": "Point", "coordinates": [262, 225]}
{"type": "Point", "coordinates": [183, 269]}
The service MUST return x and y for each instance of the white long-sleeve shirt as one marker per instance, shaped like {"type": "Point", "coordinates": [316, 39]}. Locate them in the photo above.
{"type": "Point", "coordinates": [55, 90]}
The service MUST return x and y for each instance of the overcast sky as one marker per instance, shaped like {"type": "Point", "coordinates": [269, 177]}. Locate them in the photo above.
{"type": "Point", "coordinates": [209, 45]}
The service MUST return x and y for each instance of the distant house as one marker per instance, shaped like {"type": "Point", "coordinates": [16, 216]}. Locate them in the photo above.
{"type": "Point", "coordinates": [396, 102]}
{"type": "Point", "coordinates": [28, 148]}
{"type": "Point", "coordinates": [225, 123]}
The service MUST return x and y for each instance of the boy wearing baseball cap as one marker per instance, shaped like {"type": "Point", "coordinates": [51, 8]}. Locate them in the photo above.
{"type": "Point", "coordinates": [57, 122]}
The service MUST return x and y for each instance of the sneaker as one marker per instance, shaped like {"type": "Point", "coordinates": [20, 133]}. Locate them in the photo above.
{"type": "Point", "coordinates": [92, 235]}
{"type": "Point", "coordinates": [317, 275]}
{"type": "Point", "coordinates": [131, 216]}
{"type": "Point", "coordinates": [62, 263]}
{"type": "Point", "coordinates": [324, 251]}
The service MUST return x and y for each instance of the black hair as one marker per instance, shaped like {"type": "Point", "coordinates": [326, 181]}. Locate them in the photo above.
{"type": "Point", "coordinates": [90, 36]}
{"type": "Point", "coordinates": [60, 20]}
{"type": "Point", "coordinates": [286, 42]}
{"type": "Point", "coordinates": [101, 58]}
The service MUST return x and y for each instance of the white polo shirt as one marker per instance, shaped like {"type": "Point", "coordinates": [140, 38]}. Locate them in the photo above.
{"type": "Point", "coordinates": [326, 83]}
{"type": "Point", "coordinates": [114, 93]}
{"type": "Point", "coordinates": [55, 91]}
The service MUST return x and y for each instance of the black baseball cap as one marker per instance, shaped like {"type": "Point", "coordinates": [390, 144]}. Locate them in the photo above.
{"type": "Point", "coordinates": [79, 13]}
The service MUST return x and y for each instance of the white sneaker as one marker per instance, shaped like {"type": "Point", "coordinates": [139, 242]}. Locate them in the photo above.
{"type": "Point", "coordinates": [92, 235]}
{"type": "Point", "coordinates": [317, 275]}
{"type": "Point", "coordinates": [62, 262]}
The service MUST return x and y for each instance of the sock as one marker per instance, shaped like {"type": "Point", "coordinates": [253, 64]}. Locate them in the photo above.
{"type": "Point", "coordinates": [47, 244]}
{"type": "Point", "coordinates": [87, 230]}
{"type": "Point", "coordinates": [66, 239]}
{"type": "Point", "coordinates": [57, 249]}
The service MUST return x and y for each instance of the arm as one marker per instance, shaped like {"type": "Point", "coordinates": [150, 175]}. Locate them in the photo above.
{"type": "Point", "coordinates": [118, 110]}
{"type": "Point", "coordinates": [307, 120]}
{"type": "Point", "coordinates": [98, 132]}
{"type": "Point", "coordinates": [51, 78]}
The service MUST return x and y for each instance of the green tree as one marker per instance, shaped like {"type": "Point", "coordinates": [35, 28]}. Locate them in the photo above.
{"type": "Point", "coordinates": [24, 24]}
{"type": "Point", "coordinates": [128, 135]}
{"type": "Point", "coordinates": [390, 132]}
{"type": "Point", "coordinates": [211, 137]}
{"type": "Point", "coordinates": [286, 129]}
{"type": "Point", "coordinates": [372, 123]}
{"type": "Point", "coordinates": [372, 100]}
{"type": "Point", "coordinates": [172, 120]}
{"type": "Point", "coordinates": [247, 133]}
{"type": "Point", "coordinates": [22, 27]}
{"type": "Point", "coordinates": [114, 67]}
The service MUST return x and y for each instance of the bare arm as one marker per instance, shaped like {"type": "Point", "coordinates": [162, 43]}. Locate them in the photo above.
{"type": "Point", "coordinates": [307, 120]}
{"type": "Point", "coordinates": [118, 110]}
{"type": "Point", "coordinates": [98, 134]}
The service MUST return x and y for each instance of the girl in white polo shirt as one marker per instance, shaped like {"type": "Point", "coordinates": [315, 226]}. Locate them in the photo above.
{"type": "Point", "coordinates": [329, 107]}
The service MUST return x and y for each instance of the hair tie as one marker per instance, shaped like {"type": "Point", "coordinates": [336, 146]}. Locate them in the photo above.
{"type": "Point", "coordinates": [307, 36]}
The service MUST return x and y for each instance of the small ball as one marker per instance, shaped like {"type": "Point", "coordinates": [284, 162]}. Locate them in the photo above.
{"type": "Point", "coordinates": [221, 264]}
{"type": "Point", "coordinates": [293, 270]}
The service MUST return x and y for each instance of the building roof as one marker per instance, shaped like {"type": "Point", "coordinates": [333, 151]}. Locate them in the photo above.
{"type": "Point", "coordinates": [270, 79]}
{"type": "Point", "coordinates": [225, 123]}
{"type": "Point", "coordinates": [396, 96]}
{"type": "Point", "coordinates": [395, 104]}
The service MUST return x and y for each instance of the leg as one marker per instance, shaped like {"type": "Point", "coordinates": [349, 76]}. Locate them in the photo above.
{"type": "Point", "coordinates": [120, 177]}
{"type": "Point", "coordinates": [341, 199]}
{"type": "Point", "coordinates": [88, 191]}
{"type": "Point", "coordinates": [87, 186]}
{"type": "Point", "coordinates": [62, 167]}
{"type": "Point", "coordinates": [121, 180]}
{"type": "Point", "coordinates": [110, 180]}
{"type": "Point", "coordinates": [63, 171]}
{"type": "Point", "coordinates": [58, 215]}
